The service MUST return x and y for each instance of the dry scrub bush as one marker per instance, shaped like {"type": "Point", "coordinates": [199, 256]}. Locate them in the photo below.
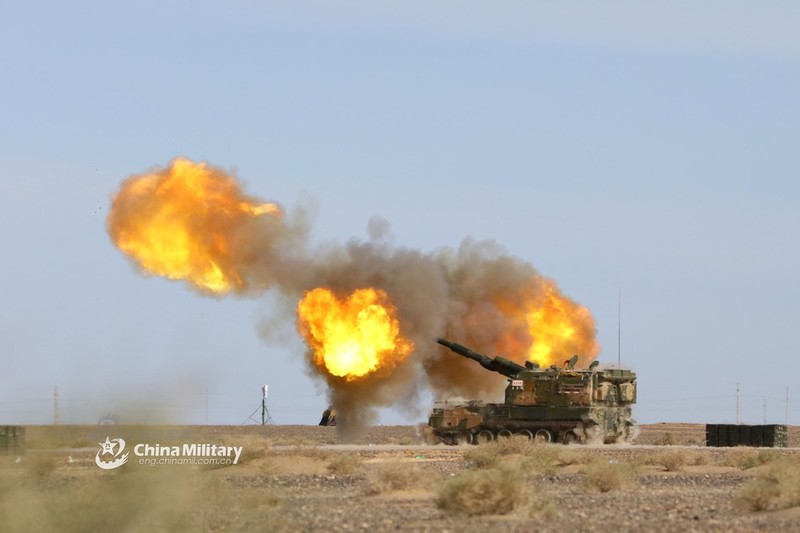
{"type": "Point", "coordinates": [674, 460]}
{"type": "Point", "coordinates": [746, 458]}
{"type": "Point", "coordinates": [395, 475]}
{"type": "Point", "coordinates": [267, 466]}
{"type": "Point", "coordinates": [103, 502]}
{"type": "Point", "coordinates": [543, 459]}
{"type": "Point", "coordinates": [251, 455]}
{"type": "Point", "coordinates": [83, 442]}
{"type": "Point", "coordinates": [778, 487]}
{"type": "Point", "coordinates": [236, 507]}
{"type": "Point", "coordinates": [487, 492]}
{"type": "Point", "coordinates": [253, 447]}
{"type": "Point", "coordinates": [344, 464]}
{"type": "Point", "coordinates": [571, 456]}
{"type": "Point", "coordinates": [44, 442]}
{"type": "Point", "coordinates": [535, 457]}
{"type": "Point", "coordinates": [697, 457]}
{"type": "Point", "coordinates": [296, 441]}
{"type": "Point", "coordinates": [514, 445]}
{"type": "Point", "coordinates": [139, 499]}
{"type": "Point", "coordinates": [666, 439]}
{"type": "Point", "coordinates": [671, 460]}
{"type": "Point", "coordinates": [402, 441]}
{"type": "Point", "coordinates": [40, 466]}
{"type": "Point", "coordinates": [312, 452]}
{"type": "Point", "coordinates": [605, 476]}
{"type": "Point", "coordinates": [485, 456]}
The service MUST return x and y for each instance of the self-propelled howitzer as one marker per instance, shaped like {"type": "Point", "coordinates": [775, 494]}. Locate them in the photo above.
{"type": "Point", "coordinates": [546, 404]}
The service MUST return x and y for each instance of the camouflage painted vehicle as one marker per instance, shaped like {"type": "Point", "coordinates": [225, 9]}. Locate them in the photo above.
{"type": "Point", "coordinates": [553, 404]}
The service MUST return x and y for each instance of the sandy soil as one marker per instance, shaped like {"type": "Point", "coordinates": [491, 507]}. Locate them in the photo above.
{"type": "Point", "coordinates": [303, 478]}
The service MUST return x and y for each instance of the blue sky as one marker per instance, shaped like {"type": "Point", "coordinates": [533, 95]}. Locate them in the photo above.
{"type": "Point", "coordinates": [649, 147]}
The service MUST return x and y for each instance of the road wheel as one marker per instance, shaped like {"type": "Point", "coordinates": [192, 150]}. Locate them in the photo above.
{"type": "Point", "coordinates": [484, 436]}
{"type": "Point", "coordinates": [463, 438]}
{"type": "Point", "coordinates": [503, 434]}
{"type": "Point", "coordinates": [543, 436]}
{"type": "Point", "coordinates": [569, 437]}
{"type": "Point", "coordinates": [525, 433]}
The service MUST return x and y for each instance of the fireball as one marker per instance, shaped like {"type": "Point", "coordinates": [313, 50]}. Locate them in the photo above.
{"type": "Point", "coordinates": [182, 223]}
{"type": "Point", "coordinates": [557, 326]}
{"type": "Point", "coordinates": [352, 337]}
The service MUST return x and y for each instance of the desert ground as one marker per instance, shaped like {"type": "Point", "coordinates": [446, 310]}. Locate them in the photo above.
{"type": "Point", "coordinates": [304, 478]}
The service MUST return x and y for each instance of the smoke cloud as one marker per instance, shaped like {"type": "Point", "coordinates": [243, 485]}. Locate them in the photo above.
{"type": "Point", "coordinates": [476, 294]}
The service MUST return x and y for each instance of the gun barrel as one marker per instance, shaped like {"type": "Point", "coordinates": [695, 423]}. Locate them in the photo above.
{"type": "Point", "coordinates": [497, 364]}
{"type": "Point", "coordinates": [466, 352]}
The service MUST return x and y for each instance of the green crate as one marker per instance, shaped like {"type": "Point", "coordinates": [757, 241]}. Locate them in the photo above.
{"type": "Point", "coordinates": [745, 434]}
{"type": "Point", "coordinates": [712, 434]}
{"type": "Point", "coordinates": [775, 436]}
{"type": "Point", "coordinates": [757, 436]}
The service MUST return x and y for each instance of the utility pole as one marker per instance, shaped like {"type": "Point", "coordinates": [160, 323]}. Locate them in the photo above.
{"type": "Point", "coordinates": [786, 415]}
{"type": "Point", "coordinates": [765, 411]}
{"type": "Point", "coordinates": [737, 403]}
{"type": "Point", "coordinates": [206, 406]}
{"type": "Point", "coordinates": [56, 407]}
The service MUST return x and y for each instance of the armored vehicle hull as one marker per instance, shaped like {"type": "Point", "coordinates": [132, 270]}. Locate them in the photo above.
{"type": "Point", "coordinates": [549, 405]}
{"type": "Point", "coordinates": [476, 422]}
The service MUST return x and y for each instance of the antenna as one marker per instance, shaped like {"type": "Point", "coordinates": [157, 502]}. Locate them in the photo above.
{"type": "Point", "coordinates": [619, 330]}
{"type": "Point", "coordinates": [265, 416]}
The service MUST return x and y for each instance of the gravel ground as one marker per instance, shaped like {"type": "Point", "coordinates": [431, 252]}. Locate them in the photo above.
{"type": "Point", "coordinates": [292, 466]}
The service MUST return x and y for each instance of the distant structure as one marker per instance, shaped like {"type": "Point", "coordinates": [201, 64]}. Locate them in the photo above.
{"type": "Point", "coordinates": [265, 416]}
{"type": "Point", "coordinates": [328, 417]}
{"type": "Point", "coordinates": [56, 407]}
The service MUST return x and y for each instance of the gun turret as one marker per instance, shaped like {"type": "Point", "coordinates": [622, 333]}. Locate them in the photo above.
{"type": "Point", "coordinates": [500, 365]}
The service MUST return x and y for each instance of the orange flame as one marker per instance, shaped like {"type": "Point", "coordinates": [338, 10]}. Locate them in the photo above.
{"type": "Point", "coordinates": [355, 336]}
{"type": "Point", "coordinates": [180, 222]}
{"type": "Point", "coordinates": [558, 326]}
